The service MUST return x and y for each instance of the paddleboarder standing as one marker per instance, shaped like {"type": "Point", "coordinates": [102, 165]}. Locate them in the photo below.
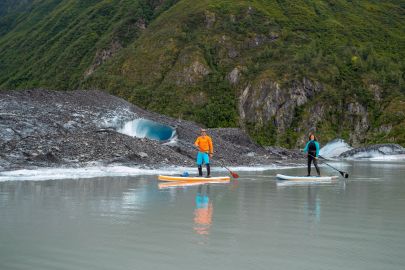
{"type": "Point", "coordinates": [312, 148]}
{"type": "Point", "coordinates": [205, 151]}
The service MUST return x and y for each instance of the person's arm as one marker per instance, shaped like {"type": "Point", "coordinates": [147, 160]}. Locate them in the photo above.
{"type": "Point", "coordinates": [306, 148]}
{"type": "Point", "coordinates": [197, 143]}
{"type": "Point", "coordinates": [317, 149]}
{"type": "Point", "coordinates": [211, 147]}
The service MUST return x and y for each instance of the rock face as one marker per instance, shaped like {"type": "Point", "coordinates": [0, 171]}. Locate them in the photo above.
{"type": "Point", "coordinates": [300, 107]}
{"type": "Point", "coordinates": [77, 128]}
{"type": "Point", "coordinates": [266, 101]}
{"type": "Point", "coordinates": [358, 116]}
{"type": "Point", "coordinates": [189, 69]}
{"type": "Point", "coordinates": [102, 56]}
{"type": "Point", "coordinates": [234, 76]}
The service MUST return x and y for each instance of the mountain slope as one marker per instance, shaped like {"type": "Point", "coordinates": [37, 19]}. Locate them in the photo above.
{"type": "Point", "coordinates": [10, 13]}
{"type": "Point", "coordinates": [277, 68]}
{"type": "Point", "coordinates": [59, 41]}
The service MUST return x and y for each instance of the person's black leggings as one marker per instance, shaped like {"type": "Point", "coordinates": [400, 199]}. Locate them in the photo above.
{"type": "Point", "coordinates": [315, 161]}
{"type": "Point", "coordinates": [200, 173]}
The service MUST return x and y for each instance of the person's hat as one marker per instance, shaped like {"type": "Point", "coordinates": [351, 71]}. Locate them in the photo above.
{"type": "Point", "coordinates": [203, 130]}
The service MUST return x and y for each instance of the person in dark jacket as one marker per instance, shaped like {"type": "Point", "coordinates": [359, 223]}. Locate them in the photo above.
{"type": "Point", "coordinates": [312, 148]}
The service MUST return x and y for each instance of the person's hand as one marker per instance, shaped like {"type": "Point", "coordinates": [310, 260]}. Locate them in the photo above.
{"type": "Point", "coordinates": [211, 155]}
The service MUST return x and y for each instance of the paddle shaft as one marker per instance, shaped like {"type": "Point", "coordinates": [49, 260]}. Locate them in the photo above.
{"type": "Point", "coordinates": [344, 174]}
{"type": "Point", "coordinates": [234, 175]}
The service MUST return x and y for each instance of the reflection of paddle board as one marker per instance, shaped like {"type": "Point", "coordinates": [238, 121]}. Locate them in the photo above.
{"type": "Point", "coordinates": [305, 178]}
{"type": "Point", "coordinates": [184, 184]}
{"type": "Point", "coordinates": [192, 179]}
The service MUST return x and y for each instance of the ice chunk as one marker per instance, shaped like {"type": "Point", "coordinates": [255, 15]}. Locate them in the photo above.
{"type": "Point", "coordinates": [376, 152]}
{"type": "Point", "coordinates": [334, 148]}
{"type": "Point", "coordinates": [144, 128]}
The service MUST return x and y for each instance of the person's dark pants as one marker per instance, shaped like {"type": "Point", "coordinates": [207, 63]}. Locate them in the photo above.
{"type": "Point", "coordinates": [200, 173]}
{"type": "Point", "coordinates": [203, 157]}
{"type": "Point", "coordinates": [311, 158]}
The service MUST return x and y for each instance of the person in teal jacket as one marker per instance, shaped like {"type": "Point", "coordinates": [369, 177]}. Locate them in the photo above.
{"type": "Point", "coordinates": [312, 148]}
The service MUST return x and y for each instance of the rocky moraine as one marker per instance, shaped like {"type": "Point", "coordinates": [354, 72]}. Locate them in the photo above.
{"type": "Point", "coordinates": [41, 128]}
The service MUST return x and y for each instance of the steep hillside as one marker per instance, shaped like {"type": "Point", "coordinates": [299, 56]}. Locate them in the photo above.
{"type": "Point", "coordinates": [54, 43]}
{"type": "Point", "coordinates": [10, 13]}
{"type": "Point", "coordinates": [12, 6]}
{"type": "Point", "coordinates": [276, 68]}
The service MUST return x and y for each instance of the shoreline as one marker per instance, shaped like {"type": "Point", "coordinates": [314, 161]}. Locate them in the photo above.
{"type": "Point", "coordinates": [99, 170]}
{"type": "Point", "coordinates": [120, 170]}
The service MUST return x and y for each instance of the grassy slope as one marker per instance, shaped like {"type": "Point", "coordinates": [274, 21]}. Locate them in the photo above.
{"type": "Point", "coordinates": [54, 45]}
{"type": "Point", "coordinates": [346, 45]}
{"type": "Point", "coordinates": [10, 13]}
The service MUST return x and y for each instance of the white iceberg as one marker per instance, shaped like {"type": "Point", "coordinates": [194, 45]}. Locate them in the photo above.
{"type": "Point", "coordinates": [334, 148]}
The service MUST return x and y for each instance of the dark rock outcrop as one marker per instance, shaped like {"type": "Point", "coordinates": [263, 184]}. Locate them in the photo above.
{"type": "Point", "coordinates": [267, 101]}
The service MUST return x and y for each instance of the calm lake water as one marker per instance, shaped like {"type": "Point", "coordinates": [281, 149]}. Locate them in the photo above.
{"type": "Point", "coordinates": [129, 223]}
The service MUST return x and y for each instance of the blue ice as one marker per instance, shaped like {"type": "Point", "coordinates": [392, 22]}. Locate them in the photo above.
{"type": "Point", "coordinates": [144, 128]}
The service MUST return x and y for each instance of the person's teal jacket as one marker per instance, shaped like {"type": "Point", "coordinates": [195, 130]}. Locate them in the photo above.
{"type": "Point", "coordinates": [316, 145]}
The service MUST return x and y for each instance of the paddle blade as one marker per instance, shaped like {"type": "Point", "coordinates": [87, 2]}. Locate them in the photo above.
{"type": "Point", "coordinates": [344, 174]}
{"type": "Point", "coordinates": [234, 175]}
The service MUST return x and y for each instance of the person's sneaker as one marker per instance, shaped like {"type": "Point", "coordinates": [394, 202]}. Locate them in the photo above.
{"type": "Point", "coordinates": [208, 176]}
{"type": "Point", "coordinates": [308, 175]}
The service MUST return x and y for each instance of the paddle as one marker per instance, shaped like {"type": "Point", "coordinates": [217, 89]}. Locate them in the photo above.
{"type": "Point", "coordinates": [344, 174]}
{"type": "Point", "coordinates": [234, 175]}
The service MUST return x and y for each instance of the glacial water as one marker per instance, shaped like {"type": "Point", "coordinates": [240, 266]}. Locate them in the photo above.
{"type": "Point", "coordinates": [253, 223]}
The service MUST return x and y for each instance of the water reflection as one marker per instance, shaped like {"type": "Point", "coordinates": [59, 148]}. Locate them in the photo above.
{"type": "Point", "coordinates": [128, 223]}
{"type": "Point", "coordinates": [203, 211]}
{"type": "Point", "coordinates": [313, 204]}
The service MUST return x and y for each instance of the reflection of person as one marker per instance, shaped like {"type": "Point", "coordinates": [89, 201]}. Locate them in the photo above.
{"type": "Point", "coordinates": [314, 203]}
{"type": "Point", "coordinates": [203, 212]}
{"type": "Point", "coordinates": [312, 148]}
{"type": "Point", "coordinates": [205, 151]}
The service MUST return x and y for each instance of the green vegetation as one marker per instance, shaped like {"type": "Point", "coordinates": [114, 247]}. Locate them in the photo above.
{"type": "Point", "coordinates": [179, 64]}
{"type": "Point", "coordinates": [57, 41]}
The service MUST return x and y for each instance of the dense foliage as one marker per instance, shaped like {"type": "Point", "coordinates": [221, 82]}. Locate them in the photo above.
{"type": "Point", "coordinates": [54, 43]}
{"type": "Point", "coordinates": [179, 64]}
